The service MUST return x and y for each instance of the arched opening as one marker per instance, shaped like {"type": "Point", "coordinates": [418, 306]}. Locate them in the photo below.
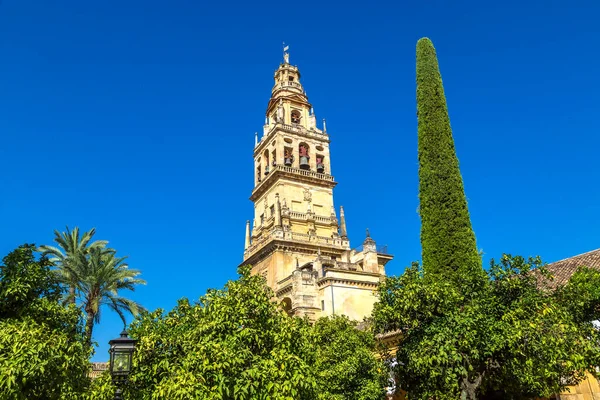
{"type": "Point", "coordinates": [320, 163]}
{"type": "Point", "coordinates": [266, 157]}
{"type": "Point", "coordinates": [287, 305]}
{"type": "Point", "coordinates": [288, 156]}
{"type": "Point", "coordinates": [258, 171]}
{"type": "Point", "coordinates": [304, 156]}
{"type": "Point", "coordinates": [296, 116]}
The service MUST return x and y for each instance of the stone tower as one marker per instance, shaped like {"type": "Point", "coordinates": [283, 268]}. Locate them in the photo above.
{"type": "Point", "coordinates": [297, 241]}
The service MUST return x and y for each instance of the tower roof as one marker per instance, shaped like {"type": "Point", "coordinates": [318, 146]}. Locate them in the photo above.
{"type": "Point", "coordinates": [287, 86]}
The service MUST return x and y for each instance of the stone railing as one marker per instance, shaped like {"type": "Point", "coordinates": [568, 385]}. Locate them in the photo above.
{"type": "Point", "coordinates": [296, 171]}
{"type": "Point", "coordinates": [276, 233]}
{"type": "Point", "coordinates": [304, 216]}
{"type": "Point", "coordinates": [325, 220]}
{"type": "Point", "coordinates": [304, 172]}
{"type": "Point", "coordinates": [285, 84]}
{"type": "Point", "coordinates": [295, 128]}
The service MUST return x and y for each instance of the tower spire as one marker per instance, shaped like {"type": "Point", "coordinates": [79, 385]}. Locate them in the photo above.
{"type": "Point", "coordinates": [343, 231]}
{"type": "Point", "coordinates": [247, 243]}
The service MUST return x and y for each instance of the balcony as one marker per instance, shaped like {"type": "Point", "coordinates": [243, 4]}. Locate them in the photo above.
{"type": "Point", "coordinates": [294, 173]}
{"type": "Point", "coordinates": [299, 216]}
{"type": "Point", "coordinates": [273, 234]}
{"type": "Point", "coordinates": [286, 85]}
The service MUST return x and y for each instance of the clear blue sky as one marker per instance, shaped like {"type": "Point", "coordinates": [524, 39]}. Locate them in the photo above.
{"type": "Point", "coordinates": [138, 118]}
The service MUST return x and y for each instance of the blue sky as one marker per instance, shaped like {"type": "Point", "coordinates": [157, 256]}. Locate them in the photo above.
{"type": "Point", "coordinates": [138, 118]}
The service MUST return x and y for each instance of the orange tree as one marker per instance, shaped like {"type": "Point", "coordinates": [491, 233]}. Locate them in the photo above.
{"type": "Point", "coordinates": [43, 354]}
{"type": "Point", "coordinates": [237, 343]}
{"type": "Point", "coordinates": [512, 336]}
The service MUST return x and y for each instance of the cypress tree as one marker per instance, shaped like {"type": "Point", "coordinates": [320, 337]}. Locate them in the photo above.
{"type": "Point", "coordinates": [447, 237]}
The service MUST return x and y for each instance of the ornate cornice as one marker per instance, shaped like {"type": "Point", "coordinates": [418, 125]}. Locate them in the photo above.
{"type": "Point", "coordinates": [329, 280]}
{"type": "Point", "coordinates": [270, 246]}
{"type": "Point", "coordinates": [296, 130]}
{"type": "Point", "coordinates": [295, 174]}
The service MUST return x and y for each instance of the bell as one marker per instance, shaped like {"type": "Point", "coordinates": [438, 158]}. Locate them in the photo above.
{"type": "Point", "coordinates": [320, 168]}
{"type": "Point", "coordinates": [288, 162]}
{"type": "Point", "coordinates": [304, 163]}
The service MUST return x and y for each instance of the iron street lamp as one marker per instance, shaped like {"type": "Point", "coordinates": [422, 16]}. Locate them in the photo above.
{"type": "Point", "coordinates": [121, 352]}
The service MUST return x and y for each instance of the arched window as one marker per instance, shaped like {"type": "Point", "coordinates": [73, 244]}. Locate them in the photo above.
{"type": "Point", "coordinates": [288, 156]}
{"type": "Point", "coordinates": [266, 157]}
{"type": "Point", "coordinates": [320, 163]}
{"type": "Point", "coordinates": [304, 156]}
{"type": "Point", "coordinates": [296, 117]}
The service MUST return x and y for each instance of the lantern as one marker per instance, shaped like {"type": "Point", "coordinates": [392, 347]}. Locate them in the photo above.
{"type": "Point", "coordinates": [121, 353]}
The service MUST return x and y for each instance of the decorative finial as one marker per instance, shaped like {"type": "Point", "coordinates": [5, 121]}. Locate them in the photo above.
{"type": "Point", "coordinates": [248, 240]}
{"type": "Point", "coordinates": [343, 231]}
{"type": "Point", "coordinates": [324, 125]}
{"type": "Point", "coordinates": [368, 234]}
{"type": "Point", "coordinates": [255, 138]}
{"type": "Point", "coordinates": [286, 55]}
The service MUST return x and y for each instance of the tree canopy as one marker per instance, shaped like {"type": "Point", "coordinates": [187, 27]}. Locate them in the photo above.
{"type": "Point", "coordinates": [513, 335]}
{"type": "Point", "coordinates": [94, 275]}
{"type": "Point", "coordinates": [236, 343]}
{"type": "Point", "coordinates": [42, 353]}
{"type": "Point", "coordinates": [447, 237]}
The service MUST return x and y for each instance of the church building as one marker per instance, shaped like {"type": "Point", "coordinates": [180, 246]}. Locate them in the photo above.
{"type": "Point", "coordinates": [297, 241]}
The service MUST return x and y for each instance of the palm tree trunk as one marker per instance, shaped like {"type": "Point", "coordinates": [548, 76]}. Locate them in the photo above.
{"type": "Point", "coordinates": [71, 299]}
{"type": "Point", "coordinates": [89, 327]}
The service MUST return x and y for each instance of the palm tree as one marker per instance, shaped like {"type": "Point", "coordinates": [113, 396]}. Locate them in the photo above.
{"type": "Point", "coordinates": [101, 277]}
{"type": "Point", "coordinates": [71, 255]}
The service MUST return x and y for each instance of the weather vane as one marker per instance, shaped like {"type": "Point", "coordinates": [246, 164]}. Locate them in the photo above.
{"type": "Point", "coordinates": [286, 55]}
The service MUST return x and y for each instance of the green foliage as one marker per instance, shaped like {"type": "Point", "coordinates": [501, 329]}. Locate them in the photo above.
{"type": "Point", "coordinates": [70, 255]}
{"type": "Point", "coordinates": [101, 388]}
{"type": "Point", "coordinates": [344, 361]}
{"type": "Point", "coordinates": [582, 295]}
{"type": "Point", "coordinates": [42, 355]}
{"type": "Point", "coordinates": [447, 238]}
{"type": "Point", "coordinates": [236, 343]}
{"type": "Point", "coordinates": [94, 275]}
{"type": "Point", "coordinates": [101, 276]}
{"type": "Point", "coordinates": [511, 335]}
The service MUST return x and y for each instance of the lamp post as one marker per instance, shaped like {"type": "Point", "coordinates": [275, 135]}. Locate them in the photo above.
{"type": "Point", "coordinates": [121, 352]}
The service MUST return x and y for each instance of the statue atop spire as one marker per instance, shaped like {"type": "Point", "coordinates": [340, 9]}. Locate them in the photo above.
{"type": "Point", "coordinates": [286, 55]}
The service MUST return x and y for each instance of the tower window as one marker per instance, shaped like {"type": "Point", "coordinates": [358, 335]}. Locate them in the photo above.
{"type": "Point", "coordinates": [272, 211]}
{"type": "Point", "coordinates": [296, 117]}
{"type": "Point", "coordinates": [304, 157]}
{"type": "Point", "coordinates": [322, 305]}
{"type": "Point", "coordinates": [291, 79]}
{"type": "Point", "coordinates": [320, 163]}
{"type": "Point", "coordinates": [288, 156]}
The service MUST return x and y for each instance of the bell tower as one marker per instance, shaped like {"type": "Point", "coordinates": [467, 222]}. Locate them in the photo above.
{"type": "Point", "coordinates": [296, 241]}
